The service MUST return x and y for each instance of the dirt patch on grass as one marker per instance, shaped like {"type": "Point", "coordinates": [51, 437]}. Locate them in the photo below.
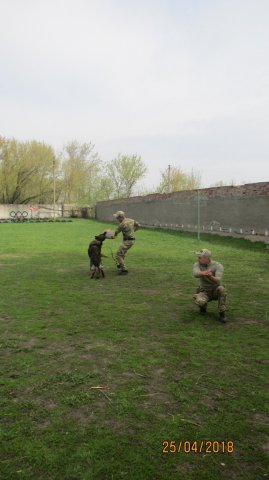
{"type": "Point", "coordinates": [83, 415]}
{"type": "Point", "coordinates": [130, 375]}
{"type": "Point", "coordinates": [63, 349]}
{"type": "Point", "coordinates": [44, 424]}
{"type": "Point", "coordinates": [29, 345]}
{"type": "Point", "coordinates": [149, 346]}
{"type": "Point", "coordinates": [184, 469]}
{"type": "Point", "coordinates": [262, 418]}
{"type": "Point", "coordinates": [209, 402]}
{"type": "Point", "coordinates": [247, 321]}
{"type": "Point", "coordinates": [86, 413]}
{"type": "Point", "coordinates": [38, 401]}
{"type": "Point", "coordinates": [157, 397]}
{"type": "Point", "coordinates": [118, 427]}
{"type": "Point", "coordinates": [49, 404]}
{"type": "Point", "coordinates": [265, 447]}
{"type": "Point", "coordinates": [19, 344]}
{"type": "Point", "coordinates": [154, 386]}
{"type": "Point", "coordinates": [152, 291]}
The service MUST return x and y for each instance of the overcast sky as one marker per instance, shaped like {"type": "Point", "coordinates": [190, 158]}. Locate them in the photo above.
{"type": "Point", "coordinates": [179, 82]}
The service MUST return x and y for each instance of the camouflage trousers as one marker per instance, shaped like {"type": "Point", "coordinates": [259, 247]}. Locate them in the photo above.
{"type": "Point", "coordinates": [202, 297]}
{"type": "Point", "coordinates": [120, 255]}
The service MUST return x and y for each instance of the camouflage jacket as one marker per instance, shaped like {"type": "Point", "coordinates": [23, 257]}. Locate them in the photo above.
{"type": "Point", "coordinates": [127, 227]}
{"type": "Point", "coordinates": [205, 282]}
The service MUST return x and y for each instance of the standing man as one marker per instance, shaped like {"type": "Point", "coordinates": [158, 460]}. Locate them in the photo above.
{"type": "Point", "coordinates": [210, 275]}
{"type": "Point", "coordinates": [128, 227]}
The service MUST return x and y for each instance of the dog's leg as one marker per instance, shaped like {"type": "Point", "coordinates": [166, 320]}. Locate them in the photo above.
{"type": "Point", "coordinates": [93, 273]}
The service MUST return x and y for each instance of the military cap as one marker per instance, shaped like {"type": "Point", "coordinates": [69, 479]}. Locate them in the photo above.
{"type": "Point", "coordinates": [118, 214]}
{"type": "Point", "coordinates": [204, 253]}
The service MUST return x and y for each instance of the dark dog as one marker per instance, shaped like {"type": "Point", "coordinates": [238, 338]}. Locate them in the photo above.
{"type": "Point", "coordinates": [95, 254]}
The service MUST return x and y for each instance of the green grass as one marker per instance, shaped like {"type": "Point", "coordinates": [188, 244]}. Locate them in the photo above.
{"type": "Point", "coordinates": [166, 373]}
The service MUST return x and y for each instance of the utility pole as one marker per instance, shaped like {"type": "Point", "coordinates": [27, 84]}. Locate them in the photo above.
{"type": "Point", "coordinates": [53, 163]}
{"type": "Point", "coordinates": [169, 178]}
{"type": "Point", "coordinates": [198, 215]}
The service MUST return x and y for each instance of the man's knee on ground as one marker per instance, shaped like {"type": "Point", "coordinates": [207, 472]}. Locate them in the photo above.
{"type": "Point", "coordinates": [200, 300]}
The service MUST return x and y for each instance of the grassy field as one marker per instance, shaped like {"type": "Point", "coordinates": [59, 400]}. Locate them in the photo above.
{"type": "Point", "coordinates": [97, 374]}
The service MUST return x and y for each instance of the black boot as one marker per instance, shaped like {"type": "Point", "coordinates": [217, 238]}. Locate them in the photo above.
{"type": "Point", "coordinates": [202, 310]}
{"type": "Point", "coordinates": [222, 317]}
{"type": "Point", "coordinates": [123, 272]}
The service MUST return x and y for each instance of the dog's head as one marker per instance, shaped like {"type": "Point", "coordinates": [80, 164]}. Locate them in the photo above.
{"type": "Point", "coordinates": [101, 237]}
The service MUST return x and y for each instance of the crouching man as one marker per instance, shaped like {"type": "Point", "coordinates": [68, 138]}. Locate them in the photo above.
{"type": "Point", "coordinates": [210, 275]}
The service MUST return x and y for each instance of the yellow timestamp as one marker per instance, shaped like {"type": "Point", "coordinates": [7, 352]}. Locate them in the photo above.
{"type": "Point", "coordinates": [202, 446]}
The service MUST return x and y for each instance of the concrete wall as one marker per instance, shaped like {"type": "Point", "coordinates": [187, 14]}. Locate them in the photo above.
{"type": "Point", "coordinates": [46, 211]}
{"type": "Point", "coordinates": [36, 211]}
{"type": "Point", "coordinates": [241, 209]}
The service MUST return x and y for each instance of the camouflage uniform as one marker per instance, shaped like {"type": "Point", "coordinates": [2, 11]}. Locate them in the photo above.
{"type": "Point", "coordinates": [127, 227]}
{"type": "Point", "coordinates": [208, 289]}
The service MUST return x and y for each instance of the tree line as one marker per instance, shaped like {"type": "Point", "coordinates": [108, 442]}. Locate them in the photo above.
{"type": "Point", "coordinates": [31, 172]}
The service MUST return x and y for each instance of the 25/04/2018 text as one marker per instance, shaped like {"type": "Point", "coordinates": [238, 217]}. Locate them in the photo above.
{"type": "Point", "coordinates": [203, 446]}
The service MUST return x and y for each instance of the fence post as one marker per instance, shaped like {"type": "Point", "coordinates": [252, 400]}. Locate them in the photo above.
{"type": "Point", "coordinates": [198, 215]}
{"type": "Point", "coordinates": [53, 162]}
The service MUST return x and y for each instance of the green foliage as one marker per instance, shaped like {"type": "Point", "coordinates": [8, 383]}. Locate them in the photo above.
{"type": "Point", "coordinates": [81, 167]}
{"type": "Point", "coordinates": [26, 170]}
{"type": "Point", "coordinates": [124, 172]}
{"type": "Point", "coordinates": [174, 179]}
{"type": "Point", "coordinates": [105, 188]}
{"type": "Point", "coordinates": [221, 183]}
{"type": "Point", "coordinates": [98, 373]}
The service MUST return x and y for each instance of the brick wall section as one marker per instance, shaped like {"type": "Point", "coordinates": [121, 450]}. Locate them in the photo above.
{"type": "Point", "coordinates": [239, 209]}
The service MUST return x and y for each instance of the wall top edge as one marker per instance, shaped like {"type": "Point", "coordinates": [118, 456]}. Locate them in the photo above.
{"type": "Point", "coordinates": [258, 188]}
